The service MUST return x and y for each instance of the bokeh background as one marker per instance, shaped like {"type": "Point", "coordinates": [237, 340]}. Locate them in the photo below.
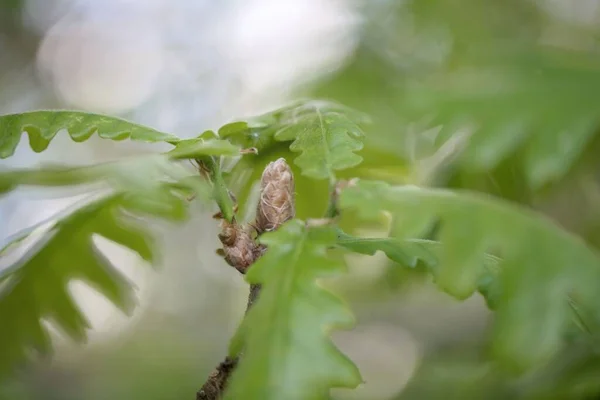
{"type": "Point", "coordinates": [184, 66]}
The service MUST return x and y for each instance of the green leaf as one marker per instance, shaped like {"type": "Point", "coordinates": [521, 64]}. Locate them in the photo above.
{"type": "Point", "coordinates": [258, 131]}
{"type": "Point", "coordinates": [42, 126]}
{"type": "Point", "coordinates": [255, 132]}
{"type": "Point", "coordinates": [127, 175]}
{"type": "Point", "coordinates": [198, 147]}
{"type": "Point", "coordinates": [537, 100]}
{"type": "Point", "coordinates": [476, 66]}
{"type": "Point", "coordinates": [36, 286]}
{"type": "Point", "coordinates": [150, 180]}
{"type": "Point", "coordinates": [326, 133]}
{"type": "Point", "coordinates": [205, 150]}
{"type": "Point", "coordinates": [326, 136]}
{"type": "Point", "coordinates": [403, 252]}
{"type": "Point", "coordinates": [542, 264]}
{"type": "Point", "coordinates": [287, 354]}
{"type": "Point", "coordinates": [408, 252]}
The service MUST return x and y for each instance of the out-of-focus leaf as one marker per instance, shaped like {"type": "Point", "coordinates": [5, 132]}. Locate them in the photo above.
{"type": "Point", "coordinates": [287, 354]}
{"type": "Point", "coordinates": [575, 379]}
{"type": "Point", "coordinates": [457, 376]}
{"type": "Point", "coordinates": [461, 372]}
{"type": "Point", "coordinates": [404, 252]}
{"type": "Point", "coordinates": [542, 264]}
{"type": "Point", "coordinates": [541, 103]}
{"type": "Point", "coordinates": [42, 126]}
{"type": "Point", "coordinates": [477, 67]}
{"type": "Point", "coordinates": [128, 175]}
{"type": "Point", "coordinates": [408, 252]}
{"type": "Point", "coordinates": [35, 286]}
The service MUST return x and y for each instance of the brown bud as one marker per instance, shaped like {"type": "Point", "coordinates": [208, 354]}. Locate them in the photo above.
{"type": "Point", "coordinates": [276, 204]}
{"type": "Point", "coordinates": [239, 248]}
{"type": "Point", "coordinates": [229, 233]}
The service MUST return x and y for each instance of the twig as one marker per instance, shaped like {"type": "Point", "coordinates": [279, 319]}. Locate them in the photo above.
{"type": "Point", "coordinates": [276, 206]}
{"type": "Point", "coordinates": [215, 385]}
{"type": "Point", "coordinates": [332, 209]}
{"type": "Point", "coordinates": [253, 296]}
{"type": "Point", "coordinates": [334, 194]}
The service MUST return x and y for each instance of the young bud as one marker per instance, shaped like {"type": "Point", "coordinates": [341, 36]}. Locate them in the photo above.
{"type": "Point", "coordinates": [276, 204]}
{"type": "Point", "coordinates": [239, 248]}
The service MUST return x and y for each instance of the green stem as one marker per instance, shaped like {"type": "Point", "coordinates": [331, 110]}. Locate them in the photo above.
{"type": "Point", "coordinates": [221, 193]}
{"type": "Point", "coordinates": [332, 209]}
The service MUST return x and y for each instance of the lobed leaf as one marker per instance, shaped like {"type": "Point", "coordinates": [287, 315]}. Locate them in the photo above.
{"type": "Point", "coordinates": [35, 287]}
{"type": "Point", "coordinates": [409, 252]}
{"type": "Point", "coordinates": [326, 137]}
{"type": "Point", "coordinates": [287, 354]}
{"type": "Point", "coordinates": [258, 131]}
{"type": "Point", "coordinates": [538, 101]}
{"type": "Point", "coordinates": [327, 134]}
{"type": "Point", "coordinates": [542, 264]}
{"type": "Point", "coordinates": [42, 126]}
{"type": "Point", "coordinates": [476, 67]}
{"type": "Point", "coordinates": [127, 175]}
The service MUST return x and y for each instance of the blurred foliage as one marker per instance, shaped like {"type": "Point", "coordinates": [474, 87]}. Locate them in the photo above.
{"type": "Point", "coordinates": [478, 68]}
{"type": "Point", "coordinates": [127, 175]}
{"type": "Point", "coordinates": [34, 286]}
{"type": "Point", "coordinates": [542, 265]}
{"type": "Point", "coordinates": [495, 97]}
{"type": "Point", "coordinates": [520, 85]}
{"type": "Point", "coordinates": [420, 256]}
{"type": "Point", "coordinates": [172, 363]}
{"type": "Point", "coordinates": [460, 372]}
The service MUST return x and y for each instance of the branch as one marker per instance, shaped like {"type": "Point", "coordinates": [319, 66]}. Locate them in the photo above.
{"type": "Point", "coordinates": [240, 250]}
{"type": "Point", "coordinates": [215, 385]}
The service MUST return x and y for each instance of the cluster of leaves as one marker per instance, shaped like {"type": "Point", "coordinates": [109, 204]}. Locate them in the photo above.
{"type": "Point", "coordinates": [34, 287]}
{"type": "Point", "coordinates": [477, 67]}
{"type": "Point", "coordinates": [542, 266]}
{"type": "Point", "coordinates": [330, 133]}
{"type": "Point", "coordinates": [156, 187]}
{"type": "Point", "coordinates": [537, 272]}
{"type": "Point", "coordinates": [525, 111]}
